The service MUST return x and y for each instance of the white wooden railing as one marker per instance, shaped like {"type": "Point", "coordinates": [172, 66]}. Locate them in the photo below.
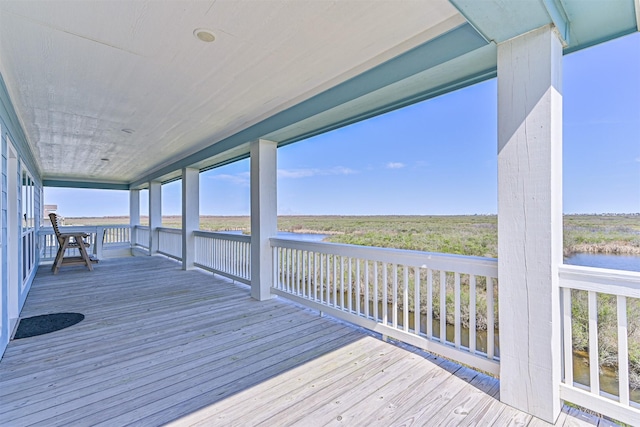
{"type": "Point", "coordinates": [115, 235]}
{"type": "Point", "coordinates": [170, 242]}
{"type": "Point", "coordinates": [223, 253]}
{"type": "Point", "coordinates": [586, 286]}
{"type": "Point", "coordinates": [397, 293]}
{"type": "Point", "coordinates": [101, 237]}
{"type": "Point", "coordinates": [141, 236]}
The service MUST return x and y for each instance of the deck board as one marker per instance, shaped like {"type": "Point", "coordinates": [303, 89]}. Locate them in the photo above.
{"type": "Point", "coordinates": [159, 345]}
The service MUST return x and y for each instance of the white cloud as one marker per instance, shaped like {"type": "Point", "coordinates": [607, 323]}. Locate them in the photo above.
{"type": "Point", "coordinates": [243, 178]}
{"type": "Point", "coordinates": [395, 165]}
{"type": "Point", "coordinates": [638, 159]}
{"type": "Point", "coordinates": [296, 173]}
{"type": "Point", "coordinates": [309, 172]}
{"type": "Point", "coordinates": [237, 179]}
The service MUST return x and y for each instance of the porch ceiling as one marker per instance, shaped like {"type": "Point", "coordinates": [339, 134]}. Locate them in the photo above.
{"type": "Point", "coordinates": [129, 82]}
{"type": "Point", "coordinates": [81, 72]}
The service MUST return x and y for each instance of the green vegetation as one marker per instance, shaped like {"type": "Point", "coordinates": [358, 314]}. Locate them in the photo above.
{"type": "Point", "coordinates": [616, 234]}
{"type": "Point", "coordinates": [607, 331]}
{"type": "Point", "coordinates": [464, 234]}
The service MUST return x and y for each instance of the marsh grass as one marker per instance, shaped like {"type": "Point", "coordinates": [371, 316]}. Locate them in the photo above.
{"type": "Point", "coordinates": [475, 235]}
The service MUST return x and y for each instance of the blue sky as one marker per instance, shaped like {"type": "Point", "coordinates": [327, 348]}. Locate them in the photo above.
{"type": "Point", "coordinates": [437, 157]}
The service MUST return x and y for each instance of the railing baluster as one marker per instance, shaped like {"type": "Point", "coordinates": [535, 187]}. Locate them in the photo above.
{"type": "Point", "coordinates": [292, 271]}
{"type": "Point", "coordinates": [472, 314]}
{"type": "Point", "coordinates": [227, 255]}
{"type": "Point", "coordinates": [623, 351]}
{"type": "Point", "coordinates": [350, 298]}
{"type": "Point", "coordinates": [385, 299]}
{"type": "Point", "coordinates": [405, 298]}
{"type": "Point", "coordinates": [567, 336]}
{"type": "Point", "coordinates": [274, 272]}
{"type": "Point", "coordinates": [491, 329]}
{"type": "Point", "coordinates": [594, 365]}
{"type": "Point", "coordinates": [321, 290]}
{"type": "Point", "coordinates": [342, 283]}
{"type": "Point", "coordinates": [358, 283]}
{"type": "Point", "coordinates": [375, 291]}
{"type": "Point", "coordinates": [429, 303]}
{"type": "Point", "coordinates": [315, 276]}
{"type": "Point", "coordinates": [289, 270]}
{"type": "Point", "coordinates": [335, 282]}
{"type": "Point", "coordinates": [417, 306]}
{"type": "Point", "coordinates": [299, 271]}
{"type": "Point", "coordinates": [443, 306]}
{"type": "Point", "coordinates": [328, 291]}
{"type": "Point", "coordinates": [303, 283]}
{"type": "Point", "coordinates": [309, 273]}
{"type": "Point", "coordinates": [457, 327]}
{"type": "Point", "coordinates": [394, 313]}
{"type": "Point", "coordinates": [366, 289]}
{"type": "Point", "coordinates": [283, 267]}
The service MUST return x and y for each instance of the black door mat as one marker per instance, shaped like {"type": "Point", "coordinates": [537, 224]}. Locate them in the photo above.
{"type": "Point", "coordinates": [39, 325]}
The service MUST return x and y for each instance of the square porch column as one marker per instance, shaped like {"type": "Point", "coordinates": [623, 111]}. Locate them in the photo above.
{"type": "Point", "coordinates": [530, 220]}
{"type": "Point", "coordinates": [264, 215]}
{"type": "Point", "coordinates": [155, 215]}
{"type": "Point", "coordinates": [190, 215]}
{"type": "Point", "coordinates": [134, 215]}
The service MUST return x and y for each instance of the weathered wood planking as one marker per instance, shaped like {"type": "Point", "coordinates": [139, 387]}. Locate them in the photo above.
{"type": "Point", "coordinates": [160, 345]}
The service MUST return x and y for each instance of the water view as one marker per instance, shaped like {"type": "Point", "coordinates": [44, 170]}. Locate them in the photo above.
{"type": "Point", "coordinates": [616, 262]}
{"type": "Point", "coordinates": [307, 237]}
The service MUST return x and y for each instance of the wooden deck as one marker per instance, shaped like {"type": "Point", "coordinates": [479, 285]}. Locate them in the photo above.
{"type": "Point", "coordinates": [159, 345]}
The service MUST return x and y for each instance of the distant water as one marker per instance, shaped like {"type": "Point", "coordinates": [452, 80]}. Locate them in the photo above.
{"type": "Point", "coordinates": [307, 237]}
{"type": "Point", "coordinates": [616, 262]}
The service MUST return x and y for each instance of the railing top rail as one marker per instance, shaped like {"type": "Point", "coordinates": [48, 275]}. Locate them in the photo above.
{"type": "Point", "coordinates": [141, 227]}
{"type": "Point", "coordinates": [69, 228]}
{"type": "Point", "coordinates": [89, 228]}
{"type": "Point", "coordinates": [223, 236]}
{"type": "Point", "coordinates": [601, 280]}
{"type": "Point", "coordinates": [436, 261]}
{"type": "Point", "coordinates": [170, 230]}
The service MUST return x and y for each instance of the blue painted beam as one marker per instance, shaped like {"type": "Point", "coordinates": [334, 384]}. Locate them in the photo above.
{"type": "Point", "coordinates": [84, 184]}
{"type": "Point", "coordinates": [418, 97]}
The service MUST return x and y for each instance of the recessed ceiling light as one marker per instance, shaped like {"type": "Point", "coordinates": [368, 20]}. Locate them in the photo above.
{"type": "Point", "coordinates": [204, 35]}
{"type": "Point", "coordinates": [127, 130]}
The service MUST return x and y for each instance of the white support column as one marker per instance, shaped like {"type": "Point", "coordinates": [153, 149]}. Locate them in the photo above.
{"type": "Point", "coordinates": [190, 215]}
{"type": "Point", "coordinates": [530, 220]}
{"type": "Point", "coordinates": [264, 215]}
{"type": "Point", "coordinates": [155, 215]}
{"type": "Point", "coordinates": [134, 215]}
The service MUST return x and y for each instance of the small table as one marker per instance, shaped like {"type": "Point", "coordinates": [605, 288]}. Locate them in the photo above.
{"type": "Point", "coordinates": [78, 242]}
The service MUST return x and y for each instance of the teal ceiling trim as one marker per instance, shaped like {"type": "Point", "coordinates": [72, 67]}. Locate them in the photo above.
{"type": "Point", "coordinates": [603, 39]}
{"type": "Point", "coordinates": [433, 93]}
{"type": "Point", "coordinates": [580, 23]}
{"type": "Point", "coordinates": [499, 20]}
{"type": "Point", "coordinates": [558, 15]}
{"type": "Point", "coordinates": [450, 45]}
{"type": "Point", "coordinates": [84, 184]}
{"type": "Point", "coordinates": [595, 22]}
